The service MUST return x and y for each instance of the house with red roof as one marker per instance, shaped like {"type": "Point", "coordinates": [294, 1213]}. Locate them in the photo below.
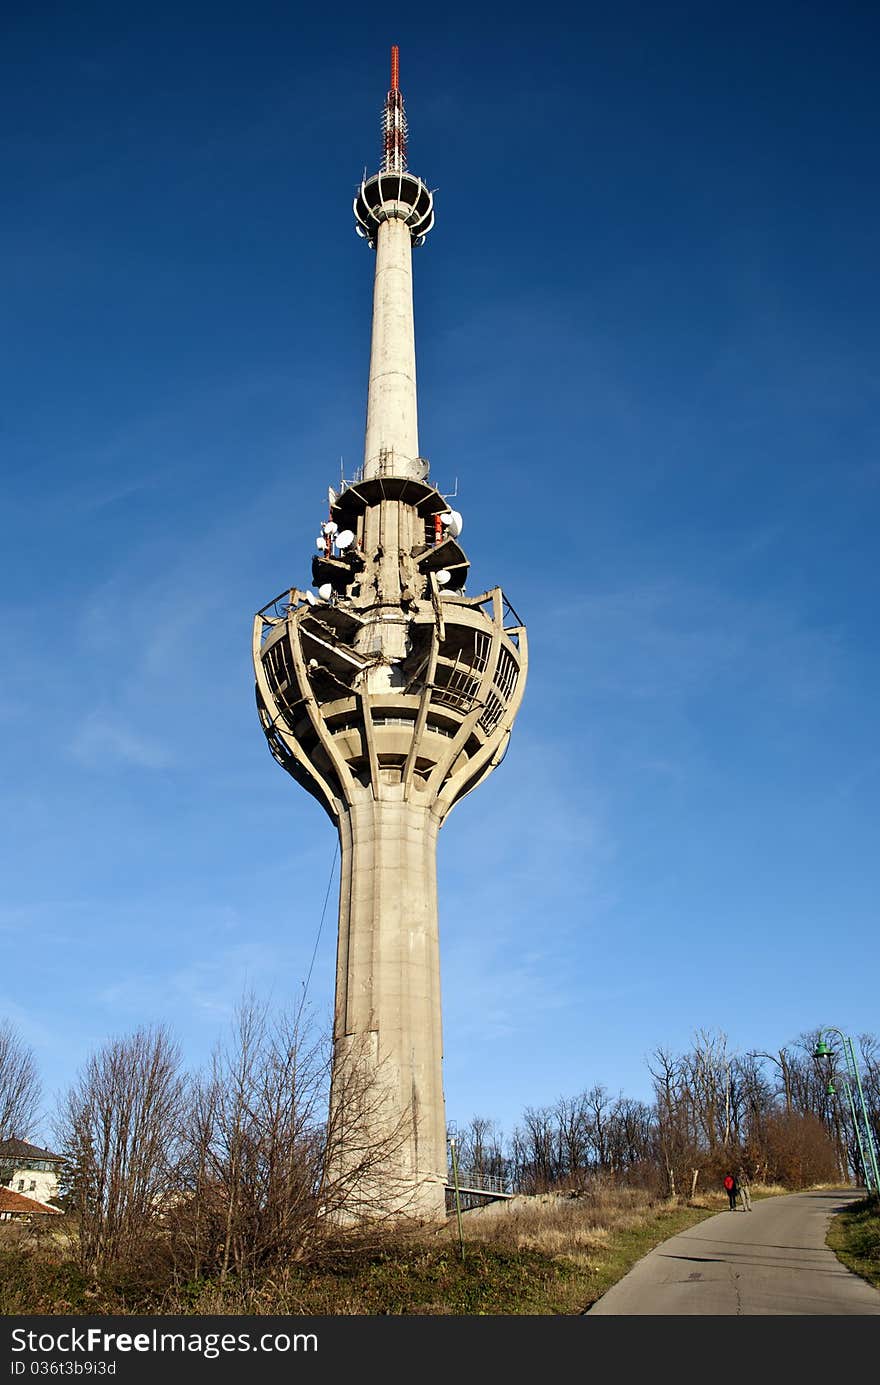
{"type": "Point", "coordinates": [29, 1170]}
{"type": "Point", "coordinates": [15, 1206]}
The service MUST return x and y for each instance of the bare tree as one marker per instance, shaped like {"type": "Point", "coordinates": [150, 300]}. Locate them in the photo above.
{"type": "Point", "coordinates": [807, 1081]}
{"type": "Point", "coordinates": [783, 1062]}
{"type": "Point", "coordinates": [252, 1159]}
{"type": "Point", "coordinates": [118, 1128]}
{"type": "Point", "coordinates": [267, 1176]}
{"type": "Point", "coordinates": [480, 1149]}
{"type": "Point", "coordinates": [597, 1109]}
{"type": "Point", "coordinates": [708, 1072]}
{"type": "Point", "coordinates": [572, 1139]}
{"type": "Point", "coordinates": [870, 1073]}
{"type": "Point", "coordinates": [760, 1096]}
{"type": "Point", "coordinates": [20, 1088]}
{"type": "Point", "coordinates": [631, 1132]}
{"type": "Point", "coordinates": [677, 1130]}
{"type": "Point", "coordinates": [535, 1150]}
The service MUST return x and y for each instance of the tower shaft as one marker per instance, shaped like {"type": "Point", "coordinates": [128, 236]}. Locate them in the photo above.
{"type": "Point", "coordinates": [392, 437]}
{"type": "Point", "coordinates": [387, 1022]}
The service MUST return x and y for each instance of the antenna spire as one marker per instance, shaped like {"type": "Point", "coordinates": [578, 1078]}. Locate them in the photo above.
{"type": "Point", "coordinates": [394, 127]}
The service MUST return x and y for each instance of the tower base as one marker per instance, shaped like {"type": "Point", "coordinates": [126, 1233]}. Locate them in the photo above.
{"type": "Point", "coordinates": [387, 1111]}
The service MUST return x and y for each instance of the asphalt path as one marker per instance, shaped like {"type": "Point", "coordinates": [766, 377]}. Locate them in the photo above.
{"type": "Point", "coordinates": [772, 1260]}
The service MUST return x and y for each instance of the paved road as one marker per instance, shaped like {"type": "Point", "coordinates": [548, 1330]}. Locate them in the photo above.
{"type": "Point", "coordinates": [772, 1260]}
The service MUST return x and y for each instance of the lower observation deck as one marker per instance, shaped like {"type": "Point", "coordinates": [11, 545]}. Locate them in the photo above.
{"type": "Point", "coordinates": [430, 735]}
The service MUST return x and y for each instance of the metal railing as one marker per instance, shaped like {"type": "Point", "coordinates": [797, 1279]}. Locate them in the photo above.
{"type": "Point", "coordinates": [473, 1180]}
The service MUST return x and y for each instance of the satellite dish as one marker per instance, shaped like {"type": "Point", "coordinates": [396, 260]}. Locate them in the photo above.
{"type": "Point", "coordinates": [320, 544]}
{"type": "Point", "coordinates": [443, 577]}
{"type": "Point", "coordinates": [329, 526]}
{"type": "Point", "coordinates": [325, 591]}
{"type": "Point", "coordinates": [310, 598]}
{"type": "Point", "coordinates": [345, 539]}
{"type": "Point", "coordinates": [455, 523]}
{"type": "Point", "coordinates": [313, 663]}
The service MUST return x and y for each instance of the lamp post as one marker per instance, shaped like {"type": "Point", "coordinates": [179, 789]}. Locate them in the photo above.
{"type": "Point", "coordinates": [452, 1138]}
{"type": "Point", "coordinates": [859, 1111]}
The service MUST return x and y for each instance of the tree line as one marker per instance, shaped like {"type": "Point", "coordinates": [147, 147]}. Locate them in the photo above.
{"type": "Point", "coordinates": [776, 1117]}
{"type": "Point", "coordinates": [236, 1169]}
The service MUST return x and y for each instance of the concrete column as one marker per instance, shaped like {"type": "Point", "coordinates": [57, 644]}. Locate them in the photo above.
{"type": "Point", "coordinates": [392, 419]}
{"type": "Point", "coordinates": [388, 1020]}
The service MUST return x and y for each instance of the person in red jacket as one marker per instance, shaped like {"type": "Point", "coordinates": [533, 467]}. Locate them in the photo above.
{"type": "Point", "coordinates": [730, 1187]}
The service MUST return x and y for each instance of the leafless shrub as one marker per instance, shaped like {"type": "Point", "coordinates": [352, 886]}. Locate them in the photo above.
{"type": "Point", "coordinates": [267, 1176]}
{"type": "Point", "coordinates": [118, 1128]}
{"type": "Point", "coordinates": [799, 1150]}
{"type": "Point", "coordinates": [20, 1088]}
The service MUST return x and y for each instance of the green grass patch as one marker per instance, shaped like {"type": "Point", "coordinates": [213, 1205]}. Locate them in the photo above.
{"type": "Point", "coordinates": [433, 1281]}
{"type": "Point", "coordinates": [31, 1282]}
{"type": "Point", "coordinates": [854, 1236]}
{"type": "Point", "coordinates": [626, 1247]}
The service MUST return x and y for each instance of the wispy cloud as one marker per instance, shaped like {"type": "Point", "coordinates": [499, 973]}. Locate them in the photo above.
{"type": "Point", "coordinates": [666, 640]}
{"type": "Point", "coordinates": [207, 988]}
{"type": "Point", "coordinates": [31, 1030]}
{"type": "Point", "coordinates": [504, 964]}
{"type": "Point", "coordinates": [498, 1001]}
{"type": "Point", "coordinates": [102, 741]}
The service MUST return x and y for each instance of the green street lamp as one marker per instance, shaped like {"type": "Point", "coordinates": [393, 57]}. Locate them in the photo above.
{"type": "Point", "coordinates": [852, 1084]}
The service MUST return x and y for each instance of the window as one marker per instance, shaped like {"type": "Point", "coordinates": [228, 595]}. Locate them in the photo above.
{"type": "Point", "coordinates": [21, 1185]}
{"type": "Point", "coordinates": [33, 1185]}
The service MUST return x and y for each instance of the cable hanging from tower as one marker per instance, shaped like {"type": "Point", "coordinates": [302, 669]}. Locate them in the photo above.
{"type": "Point", "coordinates": [318, 938]}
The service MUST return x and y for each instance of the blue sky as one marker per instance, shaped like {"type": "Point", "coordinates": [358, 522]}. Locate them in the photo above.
{"type": "Point", "coordinates": [647, 350]}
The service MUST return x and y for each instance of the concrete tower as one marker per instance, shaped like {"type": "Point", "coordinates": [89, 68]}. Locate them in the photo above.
{"type": "Point", "coordinates": [389, 696]}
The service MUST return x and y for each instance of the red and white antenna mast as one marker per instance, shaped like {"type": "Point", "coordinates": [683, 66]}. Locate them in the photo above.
{"type": "Point", "coordinates": [394, 122]}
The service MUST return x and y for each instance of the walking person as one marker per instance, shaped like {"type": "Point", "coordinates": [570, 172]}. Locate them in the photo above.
{"type": "Point", "coordinates": [745, 1192]}
{"type": "Point", "coordinates": [731, 1187]}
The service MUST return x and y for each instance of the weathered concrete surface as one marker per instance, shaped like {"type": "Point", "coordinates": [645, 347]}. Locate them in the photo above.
{"type": "Point", "coordinates": [772, 1260]}
{"type": "Point", "coordinates": [392, 412]}
{"type": "Point", "coordinates": [388, 1013]}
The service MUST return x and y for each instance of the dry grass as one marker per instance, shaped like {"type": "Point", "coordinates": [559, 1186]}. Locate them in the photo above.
{"type": "Point", "coordinates": [559, 1223]}
{"type": "Point", "coordinates": [551, 1254]}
